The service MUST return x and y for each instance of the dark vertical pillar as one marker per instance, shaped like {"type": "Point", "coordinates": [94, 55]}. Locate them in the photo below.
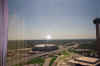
{"type": "Point", "coordinates": [97, 38]}
{"type": "Point", "coordinates": [97, 31]}
{"type": "Point", "coordinates": [3, 31]}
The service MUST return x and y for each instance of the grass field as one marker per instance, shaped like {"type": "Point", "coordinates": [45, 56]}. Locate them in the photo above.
{"type": "Point", "coordinates": [52, 60]}
{"type": "Point", "coordinates": [17, 44]}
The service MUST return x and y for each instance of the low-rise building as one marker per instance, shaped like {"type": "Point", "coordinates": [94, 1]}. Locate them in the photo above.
{"type": "Point", "coordinates": [85, 61]}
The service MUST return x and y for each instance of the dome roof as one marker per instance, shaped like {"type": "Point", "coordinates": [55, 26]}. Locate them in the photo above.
{"type": "Point", "coordinates": [44, 45]}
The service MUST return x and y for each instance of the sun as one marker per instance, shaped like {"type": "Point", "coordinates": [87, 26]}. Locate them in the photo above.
{"type": "Point", "coordinates": [48, 37]}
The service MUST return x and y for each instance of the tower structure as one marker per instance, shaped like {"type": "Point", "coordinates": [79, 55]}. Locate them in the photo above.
{"type": "Point", "coordinates": [97, 22]}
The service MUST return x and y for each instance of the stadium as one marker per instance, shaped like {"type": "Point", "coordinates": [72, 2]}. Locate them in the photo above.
{"type": "Point", "coordinates": [44, 47]}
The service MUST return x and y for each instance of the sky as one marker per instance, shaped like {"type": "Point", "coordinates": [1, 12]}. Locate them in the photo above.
{"type": "Point", "coordinates": [58, 19]}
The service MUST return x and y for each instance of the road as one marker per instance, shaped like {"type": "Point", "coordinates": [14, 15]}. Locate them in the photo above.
{"type": "Point", "coordinates": [47, 62]}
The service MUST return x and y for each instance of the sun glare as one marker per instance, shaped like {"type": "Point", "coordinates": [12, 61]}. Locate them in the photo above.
{"type": "Point", "coordinates": [48, 37]}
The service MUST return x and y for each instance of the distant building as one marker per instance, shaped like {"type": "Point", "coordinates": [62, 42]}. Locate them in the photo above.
{"type": "Point", "coordinates": [44, 47]}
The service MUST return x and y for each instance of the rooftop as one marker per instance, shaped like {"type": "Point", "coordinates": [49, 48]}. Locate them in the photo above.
{"type": "Point", "coordinates": [88, 61]}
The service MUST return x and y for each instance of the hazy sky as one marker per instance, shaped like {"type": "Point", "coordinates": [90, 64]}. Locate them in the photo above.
{"type": "Point", "coordinates": [60, 19]}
